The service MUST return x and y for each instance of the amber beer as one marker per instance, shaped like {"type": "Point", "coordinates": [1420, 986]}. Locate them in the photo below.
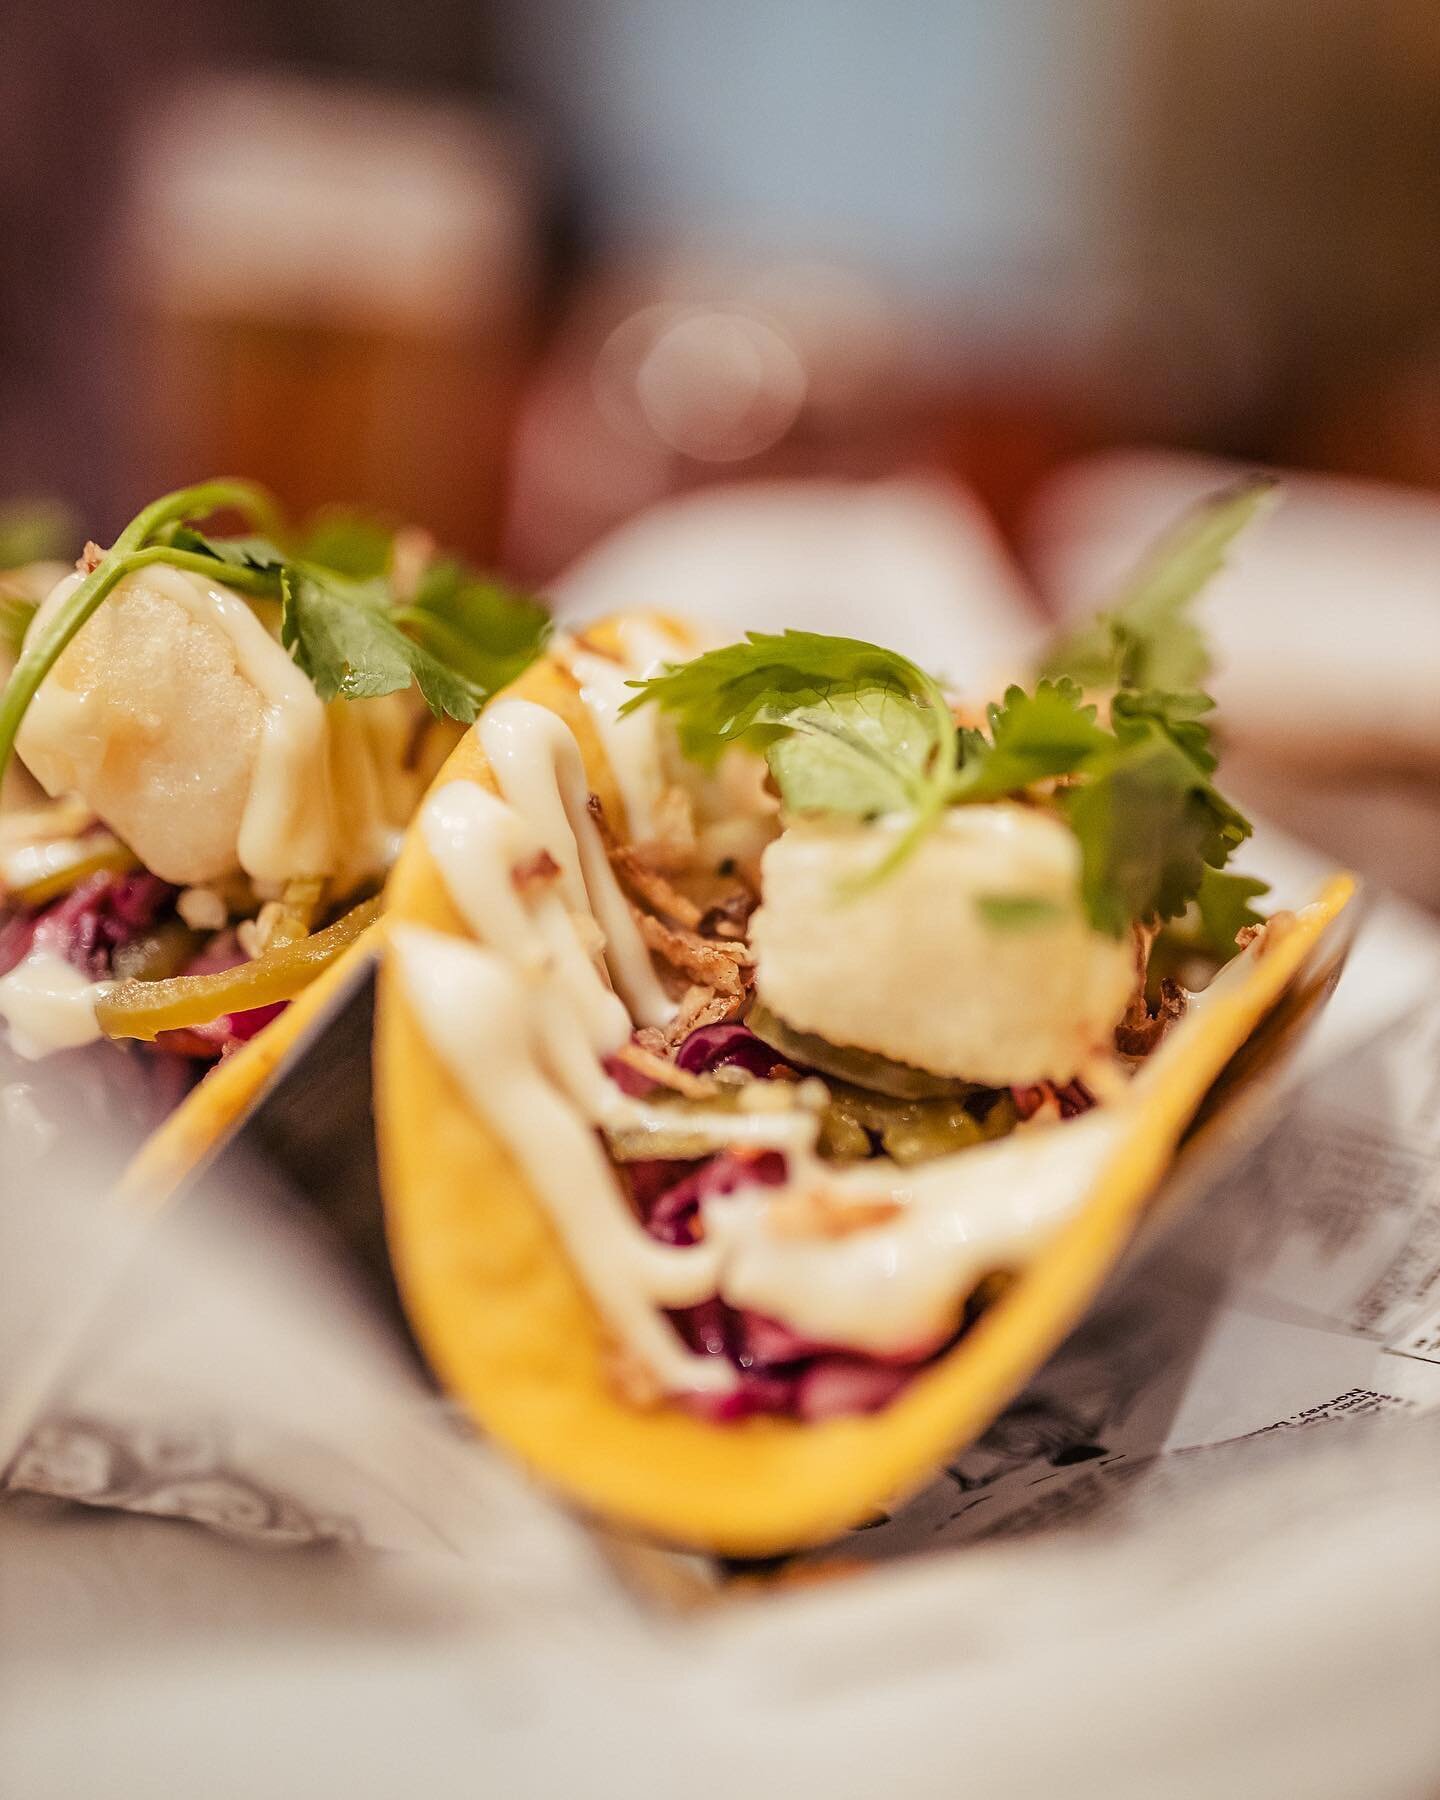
{"type": "Point", "coordinates": [333, 289]}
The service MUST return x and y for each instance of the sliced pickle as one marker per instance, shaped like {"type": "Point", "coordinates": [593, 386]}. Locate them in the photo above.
{"type": "Point", "coordinates": [929, 1129]}
{"type": "Point", "coordinates": [143, 1009]}
{"type": "Point", "coordinates": [1001, 1119]}
{"type": "Point", "coordinates": [859, 1068]}
{"type": "Point", "coordinates": [842, 1137]}
{"type": "Point", "coordinates": [910, 1131]}
{"type": "Point", "coordinates": [163, 952]}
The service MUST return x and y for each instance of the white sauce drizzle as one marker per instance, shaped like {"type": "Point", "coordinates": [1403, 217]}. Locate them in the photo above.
{"type": "Point", "coordinates": [523, 1023]}
{"type": "Point", "coordinates": [285, 828]}
{"type": "Point", "coordinates": [316, 803]}
{"type": "Point", "coordinates": [480, 1017]}
{"type": "Point", "coordinates": [632, 743]}
{"type": "Point", "coordinates": [477, 842]}
{"type": "Point", "coordinates": [538, 769]}
{"type": "Point", "coordinates": [49, 1005]}
{"type": "Point", "coordinates": [895, 1287]}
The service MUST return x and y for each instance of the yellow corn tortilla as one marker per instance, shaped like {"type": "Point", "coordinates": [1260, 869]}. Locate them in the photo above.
{"type": "Point", "coordinates": [511, 1330]}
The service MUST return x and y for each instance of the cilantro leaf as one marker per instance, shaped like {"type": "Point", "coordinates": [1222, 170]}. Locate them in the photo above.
{"type": "Point", "coordinates": [846, 727]}
{"type": "Point", "coordinates": [460, 641]}
{"type": "Point", "coordinates": [1223, 909]}
{"type": "Point", "coordinates": [16, 612]}
{"type": "Point", "coordinates": [1148, 638]}
{"type": "Point", "coordinates": [860, 754]}
{"type": "Point", "coordinates": [1149, 821]}
{"type": "Point", "coordinates": [476, 631]}
{"type": "Point", "coordinates": [1032, 737]}
{"type": "Point", "coordinates": [1179, 716]}
{"type": "Point", "coordinates": [747, 693]}
{"type": "Point", "coordinates": [257, 553]}
{"type": "Point", "coordinates": [341, 635]}
{"type": "Point", "coordinates": [351, 543]}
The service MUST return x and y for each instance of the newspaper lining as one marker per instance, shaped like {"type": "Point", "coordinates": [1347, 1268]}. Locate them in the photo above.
{"type": "Point", "coordinates": [1302, 1290]}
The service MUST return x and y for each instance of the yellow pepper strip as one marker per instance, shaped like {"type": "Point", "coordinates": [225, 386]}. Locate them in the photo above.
{"type": "Point", "coordinates": [143, 1009]}
{"type": "Point", "coordinates": [61, 871]}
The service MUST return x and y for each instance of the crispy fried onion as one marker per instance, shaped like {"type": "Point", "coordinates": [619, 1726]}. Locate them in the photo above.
{"type": "Point", "coordinates": [1142, 1026]}
{"type": "Point", "coordinates": [647, 1061]}
{"type": "Point", "coordinates": [643, 877]}
{"type": "Point", "coordinates": [704, 949]}
{"type": "Point", "coordinates": [717, 964]}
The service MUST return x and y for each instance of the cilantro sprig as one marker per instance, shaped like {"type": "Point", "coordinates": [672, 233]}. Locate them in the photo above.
{"type": "Point", "coordinates": [1148, 637]}
{"type": "Point", "coordinates": [458, 637]}
{"type": "Point", "coordinates": [851, 729]}
{"type": "Point", "coordinates": [846, 727]}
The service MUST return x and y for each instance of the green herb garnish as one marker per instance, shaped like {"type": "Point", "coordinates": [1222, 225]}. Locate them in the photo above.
{"type": "Point", "coordinates": [16, 612]}
{"type": "Point", "coordinates": [846, 727]}
{"type": "Point", "coordinates": [1223, 909]}
{"type": "Point", "coordinates": [1148, 638]}
{"type": "Point", "coordinates": [857, 731]}
{"type": "Point", "coordinates": [459, 638]}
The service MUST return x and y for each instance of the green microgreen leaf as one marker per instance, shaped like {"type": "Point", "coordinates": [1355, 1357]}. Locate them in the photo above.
{"type": "Point", "coordinates": [16, 612]}
{"type": "Point", "coordinates": [1148, 637]}
{"type": "Point", "coordinates": [1222, 910]}
{"type": "Point", "coordinates": [1033, 737]}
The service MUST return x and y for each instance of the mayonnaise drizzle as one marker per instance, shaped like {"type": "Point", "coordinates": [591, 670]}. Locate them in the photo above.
{"type": "Point", "coordinates": [284, 830]}
{"type": "Point", "coordinates": [485, 852]}
{"type": "Point", "coordinates": [478, 842]}
{"type": "Point", "coordinates": [895, 1287]}
{"type": "Point", "coordinates": [49, 1005]}
{"type": "Point", "coordinates": [632, 743]}
{"type": "Point", "coordinates": [538, 769]}
{"type": "Point", "coordinates": [480, 1016]}
{"type": "Point", "coordinates": [523, 1022]}
{"type": "Point", "coordinates": [319, 799]}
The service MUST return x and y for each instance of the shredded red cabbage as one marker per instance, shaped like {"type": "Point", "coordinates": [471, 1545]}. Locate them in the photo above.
{"type": "Point", "coordinates": [714, 1047]}
{"type": "Point", "coordinates": [101, 915]}
{"type": "Point", "coordinates": [780, 1371]}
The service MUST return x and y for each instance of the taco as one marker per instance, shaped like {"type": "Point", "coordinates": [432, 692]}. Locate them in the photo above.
{"type": "Point", "coordinates": [227, 735]}
{"type": "Point", "coordinates": [773, 1055]}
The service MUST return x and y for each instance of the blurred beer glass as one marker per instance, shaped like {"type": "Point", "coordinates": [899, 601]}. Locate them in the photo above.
{"type": "Point", "coordinates": [334, 290]}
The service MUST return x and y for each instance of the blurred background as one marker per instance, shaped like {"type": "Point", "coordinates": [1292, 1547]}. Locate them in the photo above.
{"type": "Point", "coordinates": [521, 271]}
